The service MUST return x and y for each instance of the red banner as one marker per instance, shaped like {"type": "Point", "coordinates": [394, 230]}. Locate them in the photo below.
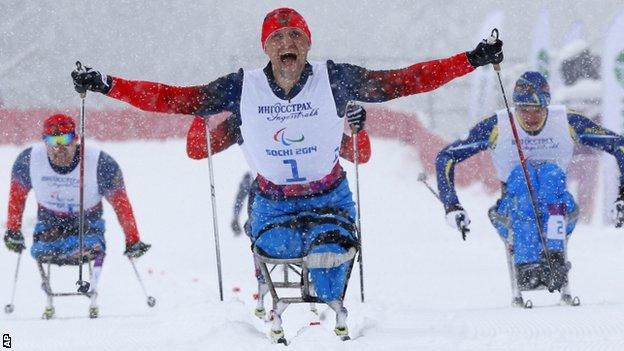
{"type": "Point", "coordinates": [23, 126]}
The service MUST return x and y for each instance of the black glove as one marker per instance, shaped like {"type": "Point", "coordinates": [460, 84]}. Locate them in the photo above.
{"type": "Point", "coordinates": [356, 116]}
{"type": "Point", "coordinates": [236, 228]}
{"type": "Point", "coordinates": [14, 240]}
{"type": "Point", "coordinates": [486, 53]}
{"type": "Point", "coordinates": [90, 79]}
{"type": "Point", "coordinates": [137, 249]}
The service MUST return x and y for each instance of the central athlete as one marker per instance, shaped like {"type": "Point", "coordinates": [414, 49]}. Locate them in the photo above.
{"type": "Point", "coordinates": [291, 123]}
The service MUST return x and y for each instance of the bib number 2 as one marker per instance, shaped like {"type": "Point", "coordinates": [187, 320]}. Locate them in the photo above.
{"type": "Point", "coordinates": [556, 227]}
{"type": "Point", "coordinates": [294, 170]}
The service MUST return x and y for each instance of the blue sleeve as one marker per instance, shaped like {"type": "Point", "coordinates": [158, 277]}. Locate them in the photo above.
{"type": "Point", "coordinates": [587, 132]}
{"type": "Point", "coordinates": [224, 95]}
{"type": "Point", "coordinates": [480, 137]}
{"type": "Point", "coordinates": [21, 169]}
{"type": "Point", "coordinates": [343, 79]}
{"type": "Point", "coordinates": [109, 176]}
{"type": "Point", "coordinates": [349, 82]}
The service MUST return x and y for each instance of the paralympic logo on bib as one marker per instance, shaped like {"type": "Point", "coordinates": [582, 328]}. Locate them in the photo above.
{"type": "Point", "coordinates": [280, 112]}
{"type": "Point", "coordinates": [60, 202]}
{"type": "Point", "coordinates": [280, 137]}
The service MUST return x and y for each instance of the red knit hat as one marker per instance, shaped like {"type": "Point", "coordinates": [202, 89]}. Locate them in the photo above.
{"type": "Point", "coordinates": [59, 124]}
{"type": "Point", "coordinates": [283, 18]}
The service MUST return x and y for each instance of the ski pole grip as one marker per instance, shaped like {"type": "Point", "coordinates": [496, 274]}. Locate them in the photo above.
{"type": "Point", "coordinates": [491, 40]}
{"type": "Point", "coordinates": [80, 68]}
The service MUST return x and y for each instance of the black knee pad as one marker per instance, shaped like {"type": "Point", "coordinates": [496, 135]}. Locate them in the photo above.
{"type": "Point", "coordinates": [529, 276]}
{"type": "Point", "coordinates": [560, 270]}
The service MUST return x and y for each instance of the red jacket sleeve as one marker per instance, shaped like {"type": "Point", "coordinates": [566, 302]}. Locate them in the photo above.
{"type": "Point", "coordinates": [17, 201]}
{"type": "Point", "coordinates": [157, 97]}
{"type": "Point", "coordinates": [222, 136]}
{"type": "Point", "coordinates": [121, 204]}
{"type": "Point", "coordinates": [364, 147]}
{"type": "Point", "coordinates": [421, 77]}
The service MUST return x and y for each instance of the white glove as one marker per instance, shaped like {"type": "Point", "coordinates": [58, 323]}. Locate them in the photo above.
{"type": "Point", "coordinates": [458, 219]}
{"type": "Point", "coordinates": [617, 213]}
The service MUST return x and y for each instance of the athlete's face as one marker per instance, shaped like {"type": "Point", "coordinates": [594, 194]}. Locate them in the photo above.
{"type": "Point", "coordinates": [531, 117]}
{"type": "Point", "coordinates": [61, 149]}
{"type": "Point", "coordinates": [288, 50]}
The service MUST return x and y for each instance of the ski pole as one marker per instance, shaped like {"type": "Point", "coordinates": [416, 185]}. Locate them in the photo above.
{"type": "Point", "coordinates": [213, 199]}
{"type": "Point", "coordinates": [151, 301]}
{"type": "Point", "coordinates": [83, 285]}
{"type": "Point", "coordinates": [422, 177]}
{"type": "Point", "coordinates": [358, 227]}
{"type": "Point", "coordinates": [523, 162]}
{"type": "Point", "coordinates": [10, 307]}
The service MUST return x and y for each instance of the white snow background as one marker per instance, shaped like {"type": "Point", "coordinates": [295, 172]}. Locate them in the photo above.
{"type": "Point", "coordinates": [425, 288]}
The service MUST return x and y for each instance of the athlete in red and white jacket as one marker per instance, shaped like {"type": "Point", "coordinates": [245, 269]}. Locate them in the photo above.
{"type": "Point", "coordinates": [51, 170]}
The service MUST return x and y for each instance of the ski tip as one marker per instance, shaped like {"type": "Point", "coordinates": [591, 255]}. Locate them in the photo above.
{"type": "Point", "coordinates": [315, 323]}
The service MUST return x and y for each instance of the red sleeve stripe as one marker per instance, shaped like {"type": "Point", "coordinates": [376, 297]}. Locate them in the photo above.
{"type": "Point", "coordinates": [121, 204]}
{"type": "Point", "coordinates": [420, 77]}
{"type": "Point", "coordinates": [364, 147]}
{"type": "Point", "coordinates": [221, 137]}
{"type": "Point", "coordinates": [17, 201]}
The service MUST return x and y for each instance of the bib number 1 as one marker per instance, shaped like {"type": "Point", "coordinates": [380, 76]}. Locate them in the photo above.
{"type": "Point", "coordinates": [294, 170]}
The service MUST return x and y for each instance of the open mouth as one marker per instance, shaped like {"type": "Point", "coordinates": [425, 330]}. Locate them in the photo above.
{"type": "Point", "coordinates": [288, 57]}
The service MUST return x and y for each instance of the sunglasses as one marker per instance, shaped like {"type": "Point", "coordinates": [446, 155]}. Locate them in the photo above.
{"type": "Point", "coordinates": [63, 139]}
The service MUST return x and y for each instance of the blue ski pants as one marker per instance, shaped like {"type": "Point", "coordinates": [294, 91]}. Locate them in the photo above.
{"type": "Point", "coordinates": [513, 213]}
{"type": "Point", "coordinates": [320, 228]}
{"type": "Point", "coordinates": [63, 243]}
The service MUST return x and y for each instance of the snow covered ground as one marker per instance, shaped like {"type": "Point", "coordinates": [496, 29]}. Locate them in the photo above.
{"type": "Point", "coordinates": [425, 288]}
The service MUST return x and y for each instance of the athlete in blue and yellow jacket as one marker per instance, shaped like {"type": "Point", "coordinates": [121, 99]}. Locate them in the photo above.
{"type": "Point", "coordinates": [548, 134]}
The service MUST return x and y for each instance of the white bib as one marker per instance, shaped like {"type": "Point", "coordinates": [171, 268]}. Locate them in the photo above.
{"type": "Point", "coordinates": [553, 144]}
{"type": "Point", "coordinates": [61, 192]}
{"type": "Point", "coordinates": [290, 141]}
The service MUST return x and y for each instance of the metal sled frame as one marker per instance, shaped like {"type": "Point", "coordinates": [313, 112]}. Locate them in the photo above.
{"type": "Point", "coordinates": [47, 288]}
{"type": "Point", "coordinates": [516, 291]}
{"type": "Point", "coordinates": [298, 266]}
